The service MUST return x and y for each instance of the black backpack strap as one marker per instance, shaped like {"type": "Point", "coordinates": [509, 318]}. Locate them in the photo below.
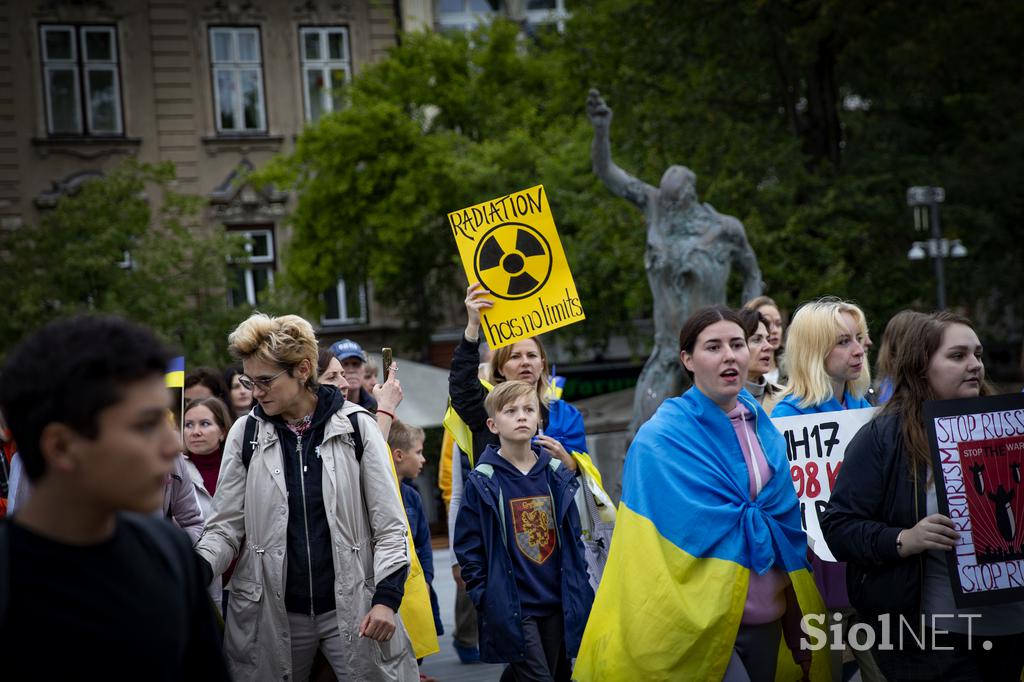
{"type": "Point", "coordinates": [248, 440]}
{"type": "Point", "coordinates": [357, 435]}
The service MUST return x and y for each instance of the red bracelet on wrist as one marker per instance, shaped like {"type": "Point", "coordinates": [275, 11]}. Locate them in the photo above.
{"type": "Point", "coordinates": [380, 411]}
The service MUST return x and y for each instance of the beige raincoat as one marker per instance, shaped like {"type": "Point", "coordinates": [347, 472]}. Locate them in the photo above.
{"type": "Point", "coordinates": [368, 531]}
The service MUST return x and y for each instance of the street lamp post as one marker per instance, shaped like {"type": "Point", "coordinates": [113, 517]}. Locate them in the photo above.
{"type": "Point", "coordinates": [925, 202]}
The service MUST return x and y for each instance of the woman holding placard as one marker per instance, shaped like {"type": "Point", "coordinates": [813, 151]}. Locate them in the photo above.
{"type": "Point", "coordinates": [561, 434]}
{"type": "Point", "coordinates": [826, 360]}
{"type": "Point", "coordinates": [525, 360]}
{"type": "Point", "coordinates": [883, 519]}
{"type": "Point", "coordinates": [828, 372]}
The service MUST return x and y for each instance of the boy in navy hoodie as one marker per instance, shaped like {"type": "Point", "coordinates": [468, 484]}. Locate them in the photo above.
{"type": "Point", "coordinates": [517, 541]}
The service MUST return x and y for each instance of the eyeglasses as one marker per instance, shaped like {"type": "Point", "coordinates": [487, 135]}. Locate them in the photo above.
{"type": "Point", "coordinates": [251, 384]}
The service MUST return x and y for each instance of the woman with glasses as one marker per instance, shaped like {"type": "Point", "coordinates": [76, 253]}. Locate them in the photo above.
{"type": "Point", "coordinates": [773, 319]}
{"type": "Point", "coordinates": [762, 354]}
{"type": "Point", "coordinates": [318, 529]}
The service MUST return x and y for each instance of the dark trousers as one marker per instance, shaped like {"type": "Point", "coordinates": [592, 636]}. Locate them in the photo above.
{"type": "Point", "coordinates": [545, 652]}
{"type": "Point", "coordinates": [967, 661]}
{"type": "Point", "coordinates": [755, 653]}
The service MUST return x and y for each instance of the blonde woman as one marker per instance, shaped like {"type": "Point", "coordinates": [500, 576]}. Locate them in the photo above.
{"type": "Point", "coordinates": [324, 559]}
{"type": "Point", "coordinates": [825, 356]}
{"type": "Point", "coordinates": [828, 371]}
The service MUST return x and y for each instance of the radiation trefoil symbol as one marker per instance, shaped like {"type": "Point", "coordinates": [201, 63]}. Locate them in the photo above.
{"type": "Point", "coordinates": [513, 261]}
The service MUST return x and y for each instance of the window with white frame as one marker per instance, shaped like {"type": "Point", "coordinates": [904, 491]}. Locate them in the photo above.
{"type": "Point", "coordinates": [464, 15]}
{"type": "Point", "coordinates": [237, 64]}
{"type": "Point", "coordinates": [81, 79]}
{"type": "Point", "coordinates": [326, 68]}
{"type": "Point", "coordinates": [253, 277]}
{"type": "Point", "coordinates": [547, 13]}
{"type": "Point", "coordinates": [344, 304]}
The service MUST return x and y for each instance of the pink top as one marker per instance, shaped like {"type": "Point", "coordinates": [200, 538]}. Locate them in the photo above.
{"type": "Point", "coordinates": [766, 596]}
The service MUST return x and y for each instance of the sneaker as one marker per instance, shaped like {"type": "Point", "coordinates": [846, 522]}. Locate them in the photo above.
{"type": "Point", "coordinates": [467, 654]}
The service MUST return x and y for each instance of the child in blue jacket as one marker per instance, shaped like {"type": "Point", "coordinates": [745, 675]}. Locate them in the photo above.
{"type": "Point", "coordinates": [517, 541]}
{"type": "Point", "coordinates": [406, 443]}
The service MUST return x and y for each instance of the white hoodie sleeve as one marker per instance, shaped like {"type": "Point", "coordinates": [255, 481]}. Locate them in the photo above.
{"type": "Point", "coordinates": [456, 500]}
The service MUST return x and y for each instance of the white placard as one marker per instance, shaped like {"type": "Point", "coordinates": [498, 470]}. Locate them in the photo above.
{"type": "Point", "coordinates": [815, 447]}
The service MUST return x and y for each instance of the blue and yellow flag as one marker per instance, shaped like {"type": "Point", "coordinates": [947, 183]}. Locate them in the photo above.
{"type": "Point", "coordinates": [556, 386]}
{"type": "Point", "coordinates": [565, 424]}
{"type": "Point", "coordinates": [687, 537]}
{"type": "Point", "coordinates": [175, 375]}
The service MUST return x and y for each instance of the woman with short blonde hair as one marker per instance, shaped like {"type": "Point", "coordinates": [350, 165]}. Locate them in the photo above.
{"type": "Point", "coordinates": [306, 502]}
{"type": "Point", "coordinates": [285, 341]}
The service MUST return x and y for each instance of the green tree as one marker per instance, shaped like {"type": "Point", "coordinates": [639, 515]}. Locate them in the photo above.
{"type": "Point", "coordinates": [443, 123]}
{"type": "Point", "coordinates": [806, 119]}
{"type": "Point", "coordinates": [69, 263]}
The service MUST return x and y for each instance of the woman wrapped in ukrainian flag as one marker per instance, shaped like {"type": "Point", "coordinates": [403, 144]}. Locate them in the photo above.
{"type": "Point", "coordinates": [708, 577]}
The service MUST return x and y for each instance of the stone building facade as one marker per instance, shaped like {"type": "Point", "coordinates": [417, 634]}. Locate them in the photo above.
{"type": "Point", "coordinates": [215, 86]}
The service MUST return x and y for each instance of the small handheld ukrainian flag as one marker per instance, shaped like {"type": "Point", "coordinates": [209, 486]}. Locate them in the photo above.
{"type": "Point", "coordinates": [555, 386]}
{"type": "Point", "coordinates": [176, 372]}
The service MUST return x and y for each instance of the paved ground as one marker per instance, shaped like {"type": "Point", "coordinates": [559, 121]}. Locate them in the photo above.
{"type": "Point", "coordinates": [445, 666]}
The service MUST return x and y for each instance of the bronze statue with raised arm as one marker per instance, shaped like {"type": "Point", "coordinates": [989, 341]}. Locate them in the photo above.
{"type": "Point", "coordinates": [690, 250]}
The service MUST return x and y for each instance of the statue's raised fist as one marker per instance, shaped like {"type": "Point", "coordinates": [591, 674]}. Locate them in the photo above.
{"type": "Point", "coordinates": [598, 111]}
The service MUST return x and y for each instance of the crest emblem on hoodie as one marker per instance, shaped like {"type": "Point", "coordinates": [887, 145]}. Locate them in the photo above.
{"type": "Point", "coordinates": [533, 521]}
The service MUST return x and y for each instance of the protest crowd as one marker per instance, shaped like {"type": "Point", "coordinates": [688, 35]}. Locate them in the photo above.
{"type": "Point", "coordinates": [273, 530]}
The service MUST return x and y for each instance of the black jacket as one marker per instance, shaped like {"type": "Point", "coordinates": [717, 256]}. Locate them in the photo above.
{"type": "Point", "coordinates": [467, 398]}
{"type": "Point", "coordinates": [309, 579]}
{"type": "Point", "coordinates": [307, 517]}
{"type": "Point", "coordinates": [876, 497]}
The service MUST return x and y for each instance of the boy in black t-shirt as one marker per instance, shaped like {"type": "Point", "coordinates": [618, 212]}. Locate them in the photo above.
{"type": "Point", "coordinates": [90, 583]}
{"type": "Point", "coordinates": [517, 538]}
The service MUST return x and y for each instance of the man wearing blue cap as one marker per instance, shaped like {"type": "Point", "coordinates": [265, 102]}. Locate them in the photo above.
{"type": "Point", "coordinates": [352, 359]}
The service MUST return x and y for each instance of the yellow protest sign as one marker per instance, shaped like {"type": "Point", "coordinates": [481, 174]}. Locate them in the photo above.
{"type": "Point", "coordinates": [510, 245]}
